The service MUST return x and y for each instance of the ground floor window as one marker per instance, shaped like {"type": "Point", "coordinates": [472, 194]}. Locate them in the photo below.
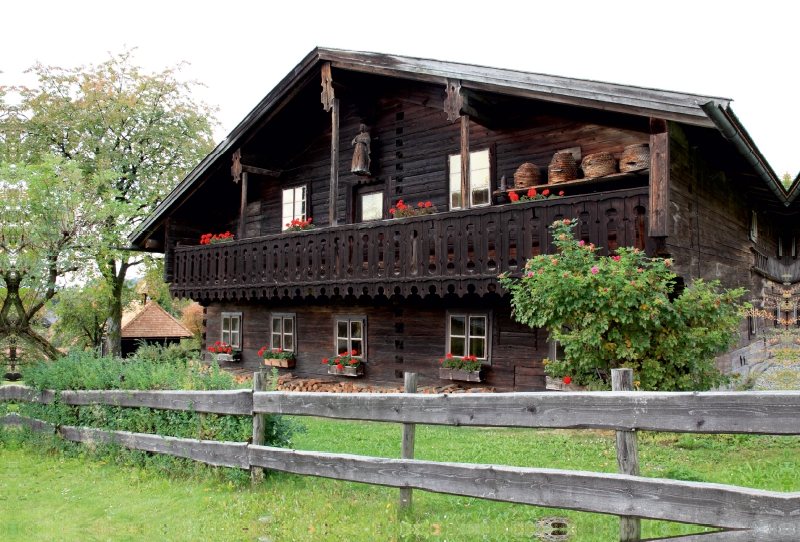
{"type": "Point", "coordinates": [468, 335]}
{"type": "Point", "coordinates": [282, 331]}
{"type": "Point", "coordinates": [232, 329]}
{"type": "Point", "coordinates": [351, 334]}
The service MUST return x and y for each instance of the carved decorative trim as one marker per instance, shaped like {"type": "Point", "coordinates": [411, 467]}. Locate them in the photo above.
{"type": "Point", "coordinates": [454, 100]}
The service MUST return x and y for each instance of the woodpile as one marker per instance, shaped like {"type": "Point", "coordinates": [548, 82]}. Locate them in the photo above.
{"type": "Point", "coordinates": [562, 168]}
{"type": "Point", "coordinates": [527, 175]}
{"type": "Point", "coordinates": [598, 164]}
{"type": "Point", "coordinates": [289, 382]}
{"type": "Point", "coordinates": [635, 157]}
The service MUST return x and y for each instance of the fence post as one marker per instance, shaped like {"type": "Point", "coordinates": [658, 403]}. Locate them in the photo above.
{"type": "Point", "coordinates": [257, 473]}
{"type": "Point", "coordinates": [627, 455]}
{"type": "Point", "coordinates": [407, 448]}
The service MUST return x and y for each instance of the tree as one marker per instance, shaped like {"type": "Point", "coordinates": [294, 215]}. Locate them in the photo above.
{"type": "Point", "coordinates": [134, 136]}
{"type": "Point", "coordinates": [46, 218]}
{"type": "Point", "coordinates": [621, 311]}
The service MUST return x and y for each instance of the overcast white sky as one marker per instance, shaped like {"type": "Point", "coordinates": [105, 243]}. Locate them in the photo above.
{"type": "Point", "coordinates": [747, 51]}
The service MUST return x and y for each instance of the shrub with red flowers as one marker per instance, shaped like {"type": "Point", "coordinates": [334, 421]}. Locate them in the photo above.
{"type": "Point", "coordinates": [402, 210]}
{"type": "Point", "coordinates": [534, 195]}
{"type": "Point", "coordinates": [266, 353]}
{"type": "Point", "coordinates": [622, 311]}
{"type": "Point", "coordinates": [214, 238]}
{"type": "Point", "coordinates": [298, 225]}
{"type": "Point", "coordinates": [220, 348]}
{"type": "Point", "coordinates": [467, 363]}
{"type": "Point", "coordinates": [341, 361]}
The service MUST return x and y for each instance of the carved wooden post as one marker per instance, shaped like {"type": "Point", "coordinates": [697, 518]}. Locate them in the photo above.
{"type": "Point", "coordinates": [659, 179]}
{"type": "Point", "coordinates": [407, 448]}
{"type": "Point", "coordinates": [243, 209]}
{"type": "Point", "coordinates": [627, 454]}
{"type": "Point", "coordinates": [257, 473]}
{"type": "Point", "coordinates": [331, 103]}
{"type": "Point", "coordinates": [465, 199]}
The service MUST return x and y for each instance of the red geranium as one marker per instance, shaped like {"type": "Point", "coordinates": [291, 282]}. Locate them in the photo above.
{"type": "Point", "coordinates": [339, 366]}
{"type": "Point", "coordinates": [567, 380]}
{"type": "Point", "coordinates": [513, 196]}
{"type": "Point", "coordinates": [545, 192]}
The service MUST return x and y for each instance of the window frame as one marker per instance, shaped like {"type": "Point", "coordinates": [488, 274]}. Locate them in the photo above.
{"type": "Point", "coordinates": [488, 149]}
{"type": "Point", "coordinates": [753, 226]}
{"type": "Point", "coordinates": [351, 318]}
{"type": "Point", "coordinates": [231, 315]}
{"type": "Point", "coordinates": [306, 206]}
{"type": "Point", "coordinates": [283, 316]}
{"type": "Point", "coordinates": [468, 314]}
{"type": "Point", "coordinates": [360, 206]}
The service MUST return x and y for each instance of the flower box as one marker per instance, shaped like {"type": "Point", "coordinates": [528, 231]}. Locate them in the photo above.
{"type": "Point", "coordinates": [346, 371]}
{"type": "Point", "coordinates": [230, 358]}
{"type": "Point", "coordinates": [279, 362]}
{"type": "Point", "coordinates": [460, 374]}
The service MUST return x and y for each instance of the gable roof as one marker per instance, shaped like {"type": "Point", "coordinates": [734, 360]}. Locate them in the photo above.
{"type": "Point", "coordinates": [153, 322]}
{"type": "Point", "coordinates": [693, 109]}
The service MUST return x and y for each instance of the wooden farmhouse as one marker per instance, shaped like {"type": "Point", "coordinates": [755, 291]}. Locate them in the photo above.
{"type": "Point", "coordinates": [346, 136]}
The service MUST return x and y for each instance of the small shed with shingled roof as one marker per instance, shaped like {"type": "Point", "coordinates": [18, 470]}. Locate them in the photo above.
{"type": "Point", "coordinates": [153, 325]}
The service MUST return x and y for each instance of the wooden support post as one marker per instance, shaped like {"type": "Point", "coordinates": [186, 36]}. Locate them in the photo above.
{"type": "Point", "coordinates": [627, 455]}
{"type": "Point", "coordinates": [257, 473]}
{"type": "Point", "coordinates": [407, 449]}
{"type": "Point", "coordinates": [659, 179]}
{"type": "Point", "coordinates": [334, 160]}
{"type": "Point", "coordinates": [465, 199]}
{"type": "Point", "coordinates": [243, 209]}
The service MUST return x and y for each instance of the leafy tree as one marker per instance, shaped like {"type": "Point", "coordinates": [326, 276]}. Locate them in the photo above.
{"type": "Point", "coordinates": [134, 135]}
{"type": "Point", "coordinates": [621, 311]}
{"type": "Point", "coordinates": [46, 218]}
{"type": "Point", "coordinates": [786, 180]}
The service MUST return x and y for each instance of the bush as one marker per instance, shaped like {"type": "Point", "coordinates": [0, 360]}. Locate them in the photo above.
{"type": "Point", "coordinates": [621, 311]}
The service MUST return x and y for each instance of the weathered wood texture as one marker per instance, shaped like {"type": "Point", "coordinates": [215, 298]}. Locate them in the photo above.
{"type": "Point", "coordinates": [649, 498]}
{"type": "Point", "coordinates": [23, 393]}
{"type": "Point", "coordinates": [627, 455]}
{"type": "Point", "coordinates": [749, 535]}
{"type": "Point", "coordinates": [221, 454]}
{"type": "Point", "coordinates": [768, 413]}
{"type": "Point", "coordinates": [15, 420]}
{"type": "Point", "coordinates": [407, 442]}
{"type": "Point", "coordinates": [659, 179]}
{"type": "Point", "coordinates": [237, 402]}
{"type": "Point", "coordinates": [333, 196]}
{"type": "Point", "coordinates": [257, 474]}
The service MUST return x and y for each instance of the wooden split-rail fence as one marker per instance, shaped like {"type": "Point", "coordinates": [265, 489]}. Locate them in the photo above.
{"type": "Point", "coordinates": [744, 513]}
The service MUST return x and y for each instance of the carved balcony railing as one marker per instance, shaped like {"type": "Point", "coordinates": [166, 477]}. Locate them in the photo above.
{"type": "Point", "coordinates": [785, 269]}
{"type": "Point", "coordinates": [456, 252]}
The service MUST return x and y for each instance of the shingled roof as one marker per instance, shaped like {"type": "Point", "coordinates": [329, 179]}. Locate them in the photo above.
{"type": "Point", "coordinates": [153, 322]}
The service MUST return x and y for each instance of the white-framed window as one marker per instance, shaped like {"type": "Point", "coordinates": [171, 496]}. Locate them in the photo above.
{"type": "Point", "coordinates": [350, 332]}
{"type": "Point", "coordinates": [232, 329]}
{"type": "Point", "coordinates": [753, 226]}
{"type": "Point", "coordinates": [371, 206]}
{"type": "Point", "coordinates": [479, 179]}
{"type": "Point", "coordinates": [283, 332]}
{"type": "Point", "coordinates": [294, 205]}
{"type": "Point", "coordinates": [468, 335]}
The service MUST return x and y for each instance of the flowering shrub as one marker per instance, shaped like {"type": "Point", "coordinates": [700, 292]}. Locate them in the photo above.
{"type": "Point", "coordinates": [533, 195]}
{"type": "Point", "coordinates": [220, 348]}
{"type": "Point", "coordinates": [266, 353]}
{"type": "Point", "coordinates": [621, 311]}
{"type": "Point", "coordinates": [401, 210]}
{"type": "Point", "coordinates": [299, 225]}
{"type": "Point", "coordinates": [467, 363]}
{"type": "Point", "coordinates": [343, 360]}
{"type": "Point", "coordinates": [214, 238]}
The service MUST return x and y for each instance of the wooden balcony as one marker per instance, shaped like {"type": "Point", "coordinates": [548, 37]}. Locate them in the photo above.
{"type": "Point", "coordinates": [455, 252]}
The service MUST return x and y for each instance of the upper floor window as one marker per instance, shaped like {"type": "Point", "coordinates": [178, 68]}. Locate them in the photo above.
{"type": "Point", "coordinates": [283, 332]}
{"type": "Point", "coordinates": [351, 335]}
{"type": "Point", "coordinates": [232, 329]}
{"type": "Point", "coordinates": [468, 335]}
{"type": "Point", "coordinates": [753, 226]}
{"type": "Point", "coordinates": [294, 205]}
{"type": "Point", "coordinates": [371, 206]}
{"type": "Point", "coordinates": [479, 179]}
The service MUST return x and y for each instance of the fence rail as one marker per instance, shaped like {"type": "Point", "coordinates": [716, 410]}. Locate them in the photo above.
{"type": "Point", "coordinates": [768, 515]}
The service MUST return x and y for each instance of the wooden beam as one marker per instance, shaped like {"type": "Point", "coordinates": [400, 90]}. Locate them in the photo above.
{"type": "Point", "coordinates": [714, 505]}
{"type": "Point", "coordinates": [773, 413]}
{"type": "Point", "coordinates": [14, 420]}
{"type": "Point", "coordinates": [334, 190]}
{"type": "Point", "coordinates": [627, 455]}
{"type": "Point", "coordinates": [236, 166]}
{"type": "Point", "coordinates": [261, 171]}
{"type": "Point", "coordinates": [236, 402]}
{"type": "Point", "coordinates": [328, 95]}
{"type": "Point", "coordinates": [23, 393]}
{"type": "Point", "coordinates": [659, 179]}
{"type": "Point", "coordinates": [407, 443]}
{"type": "Point", "coordinates": [465, 195]}
{"type": "Point", "coordinates": [453, 101]}
{"type": "Point", "coordinates": [243, 208]}
{"type": "Point", "coordinates": [257, 474]}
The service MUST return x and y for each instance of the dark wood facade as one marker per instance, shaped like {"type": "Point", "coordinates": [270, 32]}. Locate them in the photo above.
{"type": "Point", "coordinates": [694, 203]}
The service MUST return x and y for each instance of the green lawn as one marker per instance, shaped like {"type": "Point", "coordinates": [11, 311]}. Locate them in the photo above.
{"type": "Point", "coordinates": [46, 496]}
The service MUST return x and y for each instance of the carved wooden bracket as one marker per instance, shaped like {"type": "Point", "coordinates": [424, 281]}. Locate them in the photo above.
{"type": "Point", "coordinates": [236, 167]}
{"type": "Point", "coordinates": [454, 100]}
{"type": "Point", "coordinates": [327, 87]}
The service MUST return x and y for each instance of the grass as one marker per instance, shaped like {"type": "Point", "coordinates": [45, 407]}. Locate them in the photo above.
{"type": "Point", "coordinates": [51, 496]}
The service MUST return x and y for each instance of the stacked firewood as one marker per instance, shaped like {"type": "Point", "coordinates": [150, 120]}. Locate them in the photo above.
{"type": "Point", "coordinates": [289, 382]}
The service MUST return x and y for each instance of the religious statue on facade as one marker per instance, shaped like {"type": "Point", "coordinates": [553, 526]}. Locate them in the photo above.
{"type": "Point", "coordinates": [361, 161]}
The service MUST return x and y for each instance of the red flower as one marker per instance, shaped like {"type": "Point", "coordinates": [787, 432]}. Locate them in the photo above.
{"type": "Point", "coordinates": [427, 204]}
{"type": "Point", "coordinates": [420, 204]}
{"type": "Point", "coordinates": [217, 343]}
{"type": "Point", "coordinates": [532, 193]}
{"type": "Point", "coordinates": [392, 211]}
{"type": "Point", "coordinates": [567, 222]}
{"type": "Point", "coordinates": [546, 192]}
{"type": "Point", "coordinates": [309, 220]}
{"type": "Point", "coordinates": [441, 360]}
{"type": "Point", "coordinates": [561, 193]}
{"type": "Point", "coordinates": [340, 366]}
{"type": "Point", "coordinates": [229, 350]}
{"type": "Point", "coordinates": [353, 361]}
{"type": "Point", "coordinates": [513, 196]}
{"type": "Point", "coordinates": [353, 353]}
{"type": "Point", "coordinates": [449, 356]}
{"type": "Point", "coordinates": [210, 348]}
{"type": "Point", "coordinates": [567, 380]}
{"type": "Point", "coordinates": [324, 361]}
